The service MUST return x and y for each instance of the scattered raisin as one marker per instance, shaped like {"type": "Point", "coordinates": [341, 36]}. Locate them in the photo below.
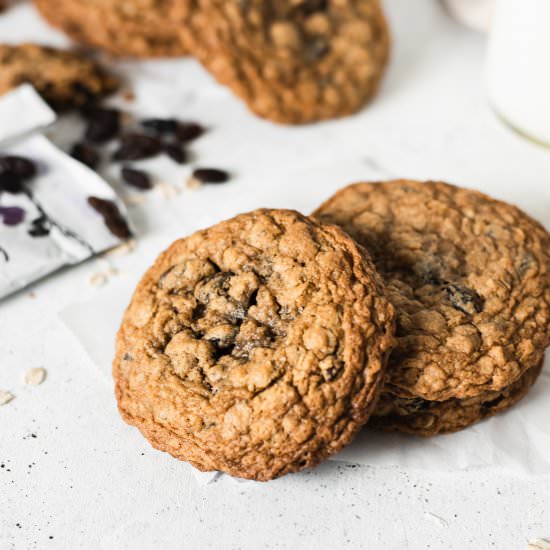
{"type": "Point", "coordinates": [111, 216]}
{"type": "Point", "coordinates": [176, 152]}
{"type": "Point", "coordinates": [188, 131]}
{"type": "Point", "coordinates": [11, 215]}
{"type": "Point", "coordinates": [86, 154]}
{"type": "Point", "coordinates": [136, 178]}
{"type": "Point", "coordinates": [160, 125]}
{"type": "Point", "coordinates": [210, 175]}
{"type": "Point", "coordinates": [20, 166]}
{"type": "Point", "coordinates": [11, 183]}
{"type": "Point", "coordinates": [137, 147]}
{"type": "Point", "coordinates": [103, 124]}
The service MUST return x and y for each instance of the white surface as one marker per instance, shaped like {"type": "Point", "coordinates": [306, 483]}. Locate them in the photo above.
{"type": "Point", "coordinates": [92, 482]}
{"type": "Point", "coordinates": [518, 69]}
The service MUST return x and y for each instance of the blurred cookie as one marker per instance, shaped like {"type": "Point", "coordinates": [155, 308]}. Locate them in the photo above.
{"type": "Point", "coordinates": [136, 28]}
{"type": "Point", "coordinates": [470, 279]}
{"type": "Point", "coordinates": [256, 347]}
{"type": "Point", "coordinates": [291, 61]}
{"type": "Point", "coordinates": [64, 79]}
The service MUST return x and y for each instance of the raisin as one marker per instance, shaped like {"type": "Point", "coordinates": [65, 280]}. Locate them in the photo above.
{"type": "Point", "coordinates": [103, 124]}
{"type": "Point", "coordinates": [161, 125]}
{"type": "Point", "coordinates": [309, 7]}
{"type": "Point", "coordinates": [20, 166]}
{"type": "Point", "coordinates": [493, 403]}
{"type": "Point", "coordinates": [464, 299]}
{"type": "Point", "coordinates": [137, 147]}
{"type": "Point", "coordinates": [11, 183]}
{"type": "Point", "coordinates": [188, 131]}
{"type": "Point", "coordinates": [85, 154]}
{"type": "Point", "coordinates": [11, 215]}
{"type": "Point", "coordinates": [111, 216]}
{"type": "Point", "coordinates": [210, 175]}
{"type": "Point", "coordinates": [136, 178]}
{"type": "Point", "coordinates": [176, 152]}
{"type": "Point", "coordinates": [317, 48]}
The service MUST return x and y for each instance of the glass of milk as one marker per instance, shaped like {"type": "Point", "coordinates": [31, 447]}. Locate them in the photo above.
{"type": "Point", "coordinates": [518, 66]}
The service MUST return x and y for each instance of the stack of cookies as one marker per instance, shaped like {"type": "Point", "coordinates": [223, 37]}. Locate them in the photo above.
{"type": "Point", "coordinates": [262, 345]}
{"type": "Point", "coordinates": [291, 61]}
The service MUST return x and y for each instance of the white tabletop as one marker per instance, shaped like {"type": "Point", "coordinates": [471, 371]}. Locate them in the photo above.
{"type": "Point", "coordinates": [73, 475]}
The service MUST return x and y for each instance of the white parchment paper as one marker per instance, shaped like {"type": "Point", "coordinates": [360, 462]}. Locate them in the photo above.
{"type": "Point", "coordinates": [518, 439]}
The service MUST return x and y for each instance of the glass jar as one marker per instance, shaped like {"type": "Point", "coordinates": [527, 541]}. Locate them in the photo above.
{"type": "Point", "coordinates": [518, 66]}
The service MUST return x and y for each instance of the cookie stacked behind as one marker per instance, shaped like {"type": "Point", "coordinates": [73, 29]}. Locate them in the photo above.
{"type": "Point", "coordinates": [470, 279]}
{"type": "Point", "coordinates": [137, 28]}
{"type": "Point", "coordinates": [256, 347]}
{"type": "Point", "coordinates": [65, 79]}
{"type": "Point", "coordinates": [291, 61]}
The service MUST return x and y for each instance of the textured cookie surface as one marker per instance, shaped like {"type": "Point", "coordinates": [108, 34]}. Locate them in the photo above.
{"type": "Point", "coordinates": [468, 275]}
{"type": "Point", "coordinates": [140, 28]}
{"type": "Point", "coordinates": [63, 78]}
{"type": "Point", "coordinates": [420, 417]}
{"type": "Point", "coordinates": [256, 347]}
{"type": "Point", "coordinates": [291, 61]}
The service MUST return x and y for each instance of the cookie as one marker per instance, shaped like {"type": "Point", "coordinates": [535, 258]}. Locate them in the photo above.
{"type": "Point", "coordinates": [291, 61]}
{"type": "Point", "coordinates": [64, 79]}
{"type": "Point", "coordinates": [420, 417]}
{"type": "Point", "coordinates": [256, 347]}
{"type": "Point", "coordinates": [135, 28]}
{"type": "Point", "coordinates": [469, 277]}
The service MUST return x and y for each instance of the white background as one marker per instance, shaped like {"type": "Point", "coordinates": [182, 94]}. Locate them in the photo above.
{"type": "Point", "coordinates": [89, 481]}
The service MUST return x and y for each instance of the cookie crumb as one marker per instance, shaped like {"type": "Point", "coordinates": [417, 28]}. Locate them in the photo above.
{"type": "Point", "coordinates": [134, 200]}
{"type": "Point", "coordinates": [98, 279]}
{"type": "Point", "coordinates": [122, 249]}
{"type": "Point", "coordinates": [539, 544]}
{"type": "Point", "coordinates": [166, 190]}
{"type": "Point", "coordinates": [34, 376]}
{"type": "Point", "coordinates": [193, 183]}
{"type": "Point", "coordinates": [6, 397]}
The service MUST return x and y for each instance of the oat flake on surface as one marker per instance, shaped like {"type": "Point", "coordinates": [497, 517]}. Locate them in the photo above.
{"type": "Point", "coordinates": [34, 376]}
{"type": "Point", "coordinates": [5, 397]}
